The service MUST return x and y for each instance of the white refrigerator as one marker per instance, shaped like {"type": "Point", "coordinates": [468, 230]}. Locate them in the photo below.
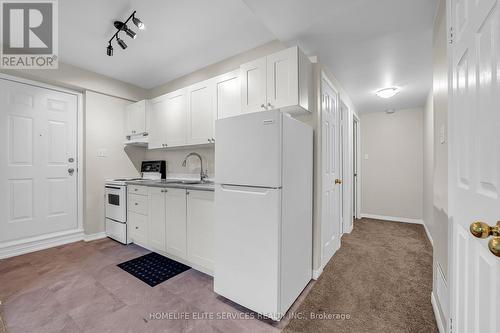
{"type": "Point", "coordinates": [263, 200]}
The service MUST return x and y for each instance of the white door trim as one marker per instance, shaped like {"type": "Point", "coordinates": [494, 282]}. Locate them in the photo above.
{"type": "Point", "coordinates": [9, 249]}
{"type": "Point", "coordinates": [357, 122]}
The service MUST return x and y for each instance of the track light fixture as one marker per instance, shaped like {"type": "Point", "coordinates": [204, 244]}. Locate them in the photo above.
{"type": "Point", "coordinates": [120, 42]}
{"type": "Point", "coordinates": [109, 50]}
{"type": "Point", "coordinates": [122, 26]}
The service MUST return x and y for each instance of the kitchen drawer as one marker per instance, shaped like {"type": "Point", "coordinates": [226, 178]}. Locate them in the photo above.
{"type": "Point", "coordinates": [135, 189]}
{"type": "Point", "coordinates": [138, 225]}
{"type": "Point", "coordinates": [138, 204]}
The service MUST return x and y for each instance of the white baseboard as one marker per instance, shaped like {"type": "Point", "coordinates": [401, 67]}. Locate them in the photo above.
{"type": "Point", "coordinates": [93, 237]}
{"type": "Point", "coordinates": [392, 218]}
{"type": "Point", "coordinates": [37, 243]}
{"type": "Point", "coordinates": [428, 234]}
{"type": "Point", "coordinates": [317, 273]}
{"type": "Point", "coordinates": [400, 219]}
{"type": "Point", "coordinates": [439, 319]}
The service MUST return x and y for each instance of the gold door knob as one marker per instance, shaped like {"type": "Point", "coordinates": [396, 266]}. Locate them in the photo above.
{"type": "Point", "coordinates": [494, 245]}
{"type": "Point", "coordinates": [338, 181]}
{"type": "Point", "coordinates": [483, 230]}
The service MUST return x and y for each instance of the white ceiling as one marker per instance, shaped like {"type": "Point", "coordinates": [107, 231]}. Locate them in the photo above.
{"type": "Point", "coordinates": [367, 44]}
{"type": "Point", "coordinates": [180, 36]}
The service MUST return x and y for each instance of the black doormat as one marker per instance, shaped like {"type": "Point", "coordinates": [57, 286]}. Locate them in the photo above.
{"type": "Point", "coordinates": [153, 268]}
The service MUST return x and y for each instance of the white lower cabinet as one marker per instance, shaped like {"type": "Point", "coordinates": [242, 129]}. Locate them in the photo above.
{"type": "Point", "coordinates": [176, 222]}
{"type": "Point", "coordinates": [138, 228]}
{"type": "Point", "coordinates": [157, 227]}
{"type": "Point", "coordinates": [200, 228]}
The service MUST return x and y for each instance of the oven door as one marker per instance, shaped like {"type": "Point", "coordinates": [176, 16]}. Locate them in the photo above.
{"type": "Point", "coordinates": [116, 203]}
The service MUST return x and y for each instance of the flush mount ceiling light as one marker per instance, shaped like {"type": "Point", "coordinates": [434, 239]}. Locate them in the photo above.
{"type": "Point", "coordinates": [122, 26]}
{"type": "Point", "coordinates": [387, 92]}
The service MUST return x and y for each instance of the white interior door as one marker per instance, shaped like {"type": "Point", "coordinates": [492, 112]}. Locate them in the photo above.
{"type": "Point", "coordinates": [38, 178]}
{"type": "Point", "coordinates": [474, 170]}
{"type": "Point", "coordinates": [330, 217]}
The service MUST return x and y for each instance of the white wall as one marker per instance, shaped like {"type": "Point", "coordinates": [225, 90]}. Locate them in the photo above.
{"type": "Point", "coordinates": [174, 158]}
{"type": "Point", "coordinates": [392, 176]}
{"type": "Point", "coordinates": [75, 78]}
{"type": "Point", "coordinates": [104, 129]}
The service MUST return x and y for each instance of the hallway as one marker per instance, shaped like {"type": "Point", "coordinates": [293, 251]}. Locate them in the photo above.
{"type": "Point", "coordinates": [381, 277]}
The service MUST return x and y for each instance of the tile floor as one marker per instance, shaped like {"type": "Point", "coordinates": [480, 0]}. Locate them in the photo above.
{"type": "Point", "coordinates": [78, 288]}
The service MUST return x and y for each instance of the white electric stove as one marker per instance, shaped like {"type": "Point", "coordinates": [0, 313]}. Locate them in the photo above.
{"type": "Point", "coordinates": [116, 199]}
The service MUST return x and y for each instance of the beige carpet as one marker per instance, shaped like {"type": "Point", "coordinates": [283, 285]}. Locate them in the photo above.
{"type": "Point", "coordinates": [381, 278]}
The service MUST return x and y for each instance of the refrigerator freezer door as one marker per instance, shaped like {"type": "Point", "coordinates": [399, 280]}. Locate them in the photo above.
{"type": "Point", "coordinates": [248, 150]}
{"type": "Point", "coordinates": [247, 246]}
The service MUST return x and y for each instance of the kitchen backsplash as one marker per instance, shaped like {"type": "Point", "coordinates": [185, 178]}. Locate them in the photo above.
{"type": "Point", "coordinates": [174, 158]}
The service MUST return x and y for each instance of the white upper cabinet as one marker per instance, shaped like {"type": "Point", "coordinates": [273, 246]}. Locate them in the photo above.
{"type": "Point", "coordinates": [253, 85]}
{"type": "Point", "coordinates": [136, 118]}
{"type": "Point", "coordinates": [282, 80]}
{"type": "Point", "coordinates": [227, 95]}
{"type": "Point", "coordinates": [201, 113]}
{"type": "Point", "coordinates": [176, 118]}
{"type": "Point", "coordinates": [157, 118]}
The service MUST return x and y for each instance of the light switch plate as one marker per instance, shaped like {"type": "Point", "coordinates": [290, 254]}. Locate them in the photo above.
{"type": "Point", "coordinates": [442, 134]}
{"type": "Point", "coordinates": [103, 152]}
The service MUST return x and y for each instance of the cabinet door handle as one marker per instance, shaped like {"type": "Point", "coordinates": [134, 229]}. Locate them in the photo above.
{"type": "Point", "coordinates": [269, 105]}
{"type": "Point", "coordinates": [135, 189]}
{"type": "Point", "coordinates": [263, 106]}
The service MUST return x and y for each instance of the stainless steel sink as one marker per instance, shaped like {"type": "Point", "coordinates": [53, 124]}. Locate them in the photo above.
{"type": "Point", "coordinates": [191, 182]}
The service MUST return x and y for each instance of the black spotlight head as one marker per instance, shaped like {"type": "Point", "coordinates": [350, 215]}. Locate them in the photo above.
{"type": "Point", "coordinates": [138, 23]}
{"type": "Point", "coordinates": [122, 44]}
{"type": "Point", "coordinates": [131, 33]}
{"type": "Point", "coordinates": [109, 50]}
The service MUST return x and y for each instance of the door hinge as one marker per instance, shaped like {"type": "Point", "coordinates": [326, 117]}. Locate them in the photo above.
{"type": "Point", "coordinates": [451, 325]}
{"type": "Point", "coordinates": [451, 36]}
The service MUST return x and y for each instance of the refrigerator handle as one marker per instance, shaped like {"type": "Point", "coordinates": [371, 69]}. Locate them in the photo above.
{"type": "Point", "coordinates": [246, 189]}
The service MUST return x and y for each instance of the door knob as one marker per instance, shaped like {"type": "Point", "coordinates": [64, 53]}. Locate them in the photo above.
{"type": "Point", "coordinates": [70, 171]}
{"type": "Point", "coordinates": [338, 181]}
{"type": "Point", "coordinates": [483, 230]}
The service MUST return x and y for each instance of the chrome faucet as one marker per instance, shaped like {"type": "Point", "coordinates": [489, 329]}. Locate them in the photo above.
{"type": "Point", "coordinates": [203, 174]}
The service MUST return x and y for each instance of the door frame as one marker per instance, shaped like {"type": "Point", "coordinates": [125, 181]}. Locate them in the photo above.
{"type": "Point", "coordinates": [36, 243]}
{"type": "Point", "coordinates": [356, 123]}
{"type": "Point", "coordinates": [323, 77]}
{"type": "Point", "coordinates": [345, 173]}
